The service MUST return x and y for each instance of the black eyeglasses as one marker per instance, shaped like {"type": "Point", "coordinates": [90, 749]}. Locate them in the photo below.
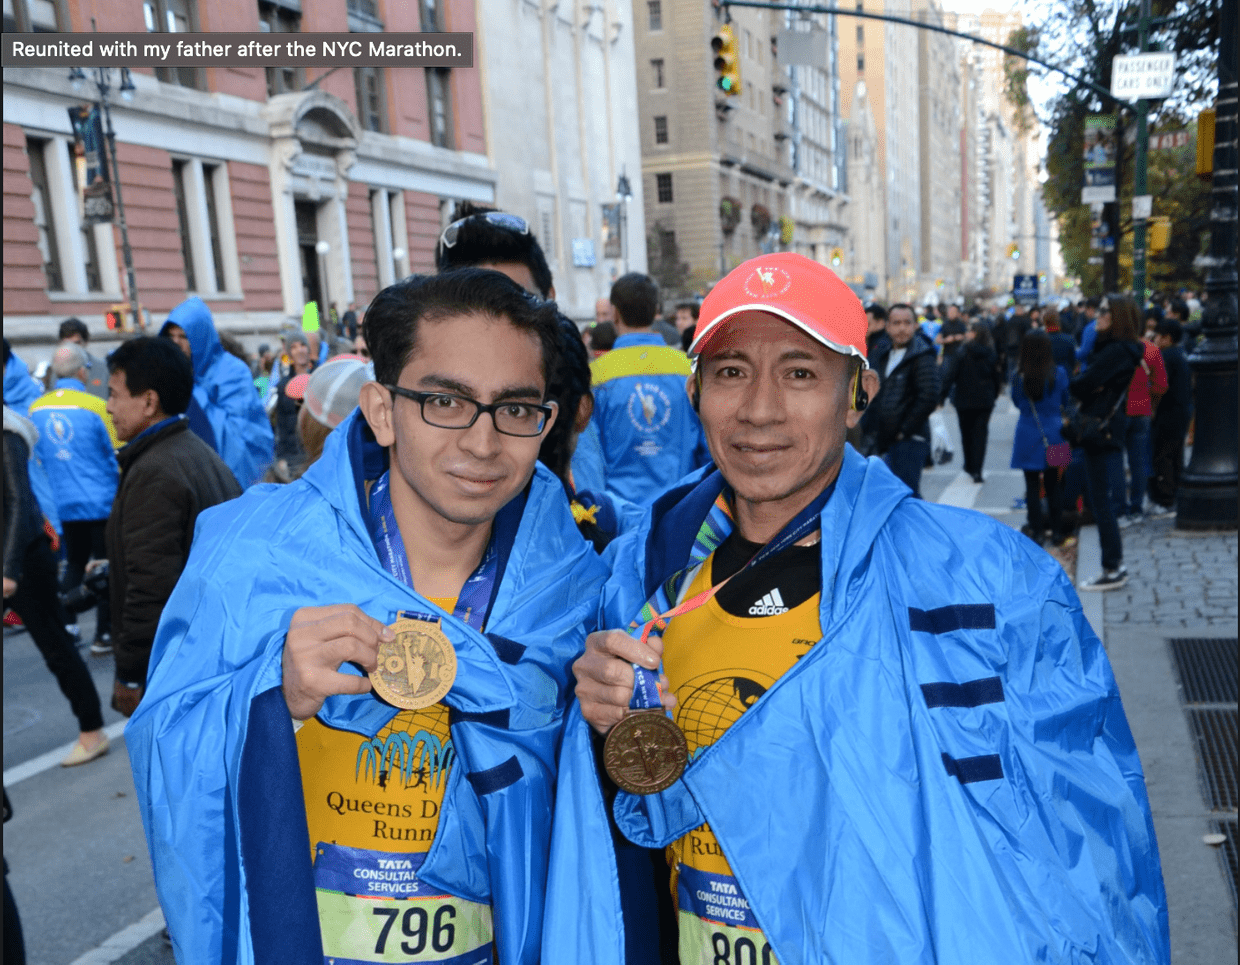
{"type": "Point", "coordinates": [500, 219]}
{"type": "Point", "coordinates": [447, 411]}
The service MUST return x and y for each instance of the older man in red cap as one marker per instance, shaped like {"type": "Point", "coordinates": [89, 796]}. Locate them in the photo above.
{"type": "Point", "coordinates": [846, 724]}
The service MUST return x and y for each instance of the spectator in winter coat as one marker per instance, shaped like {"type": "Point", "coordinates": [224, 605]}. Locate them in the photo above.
{"type": "Point", "coordinates": [224, 389]}
{"type": "Point", "coordinates": [1039, 392]}
{"type": "Point", "coordinates": [168, 477]}
{"type": "Point", "coordinates": [1171, 419]}
{"type": "Point", "coordinates": [1149, 382]}
{"type": "Point", "coordinates": [899, 417]}
{"type": "Point", "coordinates": [1101, 389]}
{"type": "Point", "coordinates": [1063, 347]}
{"type": "Point", "coordinates": [30, 589]}
{"type": "Point", "coordinates": [975, 378]}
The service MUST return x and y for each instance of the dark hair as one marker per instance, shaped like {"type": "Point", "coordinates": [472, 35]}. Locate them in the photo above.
{"type": "Point", "coordinates": [1171, 327]}
{"type": "Point", "coordinates": [1050, 319]}
{"type": "Point", "coordinates": [905, 305]}
{"type": "Point", "coordinates": [1037, 363]}
{"type": "Point", "coordinates": [393, 319]}
{"type": "Point", "coordinates": [569, 383]}
{"type": "Point", "coordinates": [1179, 308]}
{"type": "Point", "coordinates": [602, 336]}
{"type": "Point", "coordinates": [636, 298]}
{"type": "Point", "coordinates": [480, 242]}
{"type": "Point", "coordinates": [73, 326]}
{"type": "Point", "coordinates": [877, 310]}
{"type": "Point", "coordinates": [686, 338]}
{"type": "Point", "coordinates": [151, 362]}
{"type": "Point", "coordinates": [694, 308]}
{"type": "Point", "coordinates": [1125, 321]}
{"type": "Point", "coordinates": [982, 335]}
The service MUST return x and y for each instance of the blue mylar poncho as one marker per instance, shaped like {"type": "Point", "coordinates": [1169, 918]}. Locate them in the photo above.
{"type": "Point", "coordinates": [224, 390]}
{"type": "Point", "coordinates": [947, 777]}
{"type": "Point", "coordinates": [212, 746]}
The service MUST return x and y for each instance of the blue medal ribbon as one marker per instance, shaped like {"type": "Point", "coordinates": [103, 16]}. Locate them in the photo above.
{"type": "Point", "coordinates": [475, 597]}
{"type": "Point", "coordinates": [646, 694]}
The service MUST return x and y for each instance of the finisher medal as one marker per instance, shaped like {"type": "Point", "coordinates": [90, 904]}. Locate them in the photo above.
{"type": "Point", "coordinates": [645, 753]}
{"type": "Point", "coordinates": [417, 668]}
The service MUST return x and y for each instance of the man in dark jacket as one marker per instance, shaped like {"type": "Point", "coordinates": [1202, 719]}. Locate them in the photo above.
{"type": "Point", "coordinates": [1171, 418]}
{"type": "Point", "coordinates": [899, 416]}
{"type": "Point", "coordinates": [168, 476]}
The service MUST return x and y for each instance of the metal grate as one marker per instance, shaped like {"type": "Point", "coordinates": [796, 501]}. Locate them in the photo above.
{"type": "Point", "coordinates": [1228, 849]}
{"type": "Point", "coordinates": [1207, 669]}
{"type": "Point", "coordinates": [1215, 731]}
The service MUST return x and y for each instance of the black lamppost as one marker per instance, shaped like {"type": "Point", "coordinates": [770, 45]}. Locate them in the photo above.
{"type": "Point", "coordinates": [1207, 495]}
{"type": "Point", "coordinates": [101, 77]}
{"type": "Point", "coordinates": [623, 194]}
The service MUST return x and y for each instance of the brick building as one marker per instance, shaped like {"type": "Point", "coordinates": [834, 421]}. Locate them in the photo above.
{"type": "Point", "coordinates": [232, 176]}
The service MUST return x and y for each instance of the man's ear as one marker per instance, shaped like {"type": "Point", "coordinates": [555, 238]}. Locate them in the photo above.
{"type": "Point", "coordinates": [376, 404]}
{"type": "Point", "coordinates": [585, 409]}
{"type": "Point", "coordinates": [869, 385]}
{"type": "Point", "coordinates": [555, 411]}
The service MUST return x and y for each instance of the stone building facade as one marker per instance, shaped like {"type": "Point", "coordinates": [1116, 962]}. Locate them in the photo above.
{"type": "Point", "coordinates": [232, 176]}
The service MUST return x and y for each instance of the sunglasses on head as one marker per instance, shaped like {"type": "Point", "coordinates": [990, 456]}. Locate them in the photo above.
{"type": "Point", "coordinates": [500, 219]}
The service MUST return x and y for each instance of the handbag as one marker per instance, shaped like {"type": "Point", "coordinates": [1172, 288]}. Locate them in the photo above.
{"type": "Point", "coordinates": [1060, 454]}
{"type": "Point", "coordinates": [1091, 431]}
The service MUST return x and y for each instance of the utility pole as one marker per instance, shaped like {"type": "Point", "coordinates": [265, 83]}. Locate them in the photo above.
{"type": "Point", "coordinates": [1138, 174]}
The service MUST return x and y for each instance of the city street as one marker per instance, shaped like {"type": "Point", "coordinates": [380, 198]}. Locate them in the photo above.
{"type": "Point", "coordinates": [78, 864]}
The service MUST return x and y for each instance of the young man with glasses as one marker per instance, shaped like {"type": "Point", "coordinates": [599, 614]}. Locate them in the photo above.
{"type": "Point", "coordinates": [409, 818]}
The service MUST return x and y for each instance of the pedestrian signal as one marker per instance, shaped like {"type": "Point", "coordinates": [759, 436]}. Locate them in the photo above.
{"type": "Point", "coordinates": [1205, 144]}
{"type": "Point", "coordinates": [115, 318]}
{"type": "Point", "coordinates": [1160, 234]}
{"type": "Point", "coordinates": [1013, 251]}
{"type": "Point", "coordinates": [837, 257]}
{"type": "Point", "coordinates": [727, 61]}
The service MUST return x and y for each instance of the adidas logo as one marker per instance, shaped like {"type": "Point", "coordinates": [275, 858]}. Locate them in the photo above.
{"type": "Point", "coordinates": [769, 605]}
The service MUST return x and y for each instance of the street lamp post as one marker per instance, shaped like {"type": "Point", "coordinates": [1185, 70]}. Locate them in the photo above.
{"type": "Point", "coordinates": [101, 78]}
{"type": "Point", "coordinates": [1207, 495]}
{"type": "Point", "coordinates": [623, 193]}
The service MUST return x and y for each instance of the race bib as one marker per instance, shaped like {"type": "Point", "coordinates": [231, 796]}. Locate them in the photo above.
{"type": "Point", "coordinates": [717, 926]}
{"type": "Point", "coordinates": [374, 908]}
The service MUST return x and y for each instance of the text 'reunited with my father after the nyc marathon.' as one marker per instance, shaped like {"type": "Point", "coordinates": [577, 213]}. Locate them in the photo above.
{"type": "Point", "coordinates": [238, 50]}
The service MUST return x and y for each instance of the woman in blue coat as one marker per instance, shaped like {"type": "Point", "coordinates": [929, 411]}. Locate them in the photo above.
{"type": "Point", "coordinates": [1039, 391]}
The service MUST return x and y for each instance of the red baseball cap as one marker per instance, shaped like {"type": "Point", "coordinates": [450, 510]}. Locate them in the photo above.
{"type": "Point", "coordinates": [790, 286]}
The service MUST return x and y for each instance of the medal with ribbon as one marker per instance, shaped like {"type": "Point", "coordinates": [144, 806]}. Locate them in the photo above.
{"type": "Point", "coordinates": [418, 667]}
{"type": "Point", "coordinates": [646, 753]}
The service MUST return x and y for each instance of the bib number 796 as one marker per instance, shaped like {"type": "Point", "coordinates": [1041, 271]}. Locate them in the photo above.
{"type": "Point", "coordinates": [418, 926]}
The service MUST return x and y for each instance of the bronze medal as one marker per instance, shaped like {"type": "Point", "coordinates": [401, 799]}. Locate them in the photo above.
{"type": "Point", "coordinates": [645, 753]}
{"type": "Point", "coordinates": [417, 668]}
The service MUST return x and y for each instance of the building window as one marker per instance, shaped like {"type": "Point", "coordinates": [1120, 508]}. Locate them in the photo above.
{"type": "Point", "coordinates": [656, 69]}
{"type": "Point", "coordinates": [174, 17]}
{"type": "Point", "coordinates": [276, 19]}
{"type": "Point", "coordinates": [33, 16]}
{"type": "Point", "coordinates": [655, 9]}
{"type": "Point", "coordinates": [44, 222]}
{"type": "Point", "coordinates": [89, 249]}
{"type": "Point", "coordinates": [210, 181]}
{"type": "Point", "coordinates": [368, 82]}
{"type": "Point", "coordinates": [660, 130]}
{"type": "Point", "coordinates": [860, 63]}
{"type": "Point", "coordinates": [663, 186]}
{"type": "Point", "coordinates": [187, 248]}
{"type": "Point", "coordinates": [860, 34]}
{"type": "Point", "coordinates": [439, 96]}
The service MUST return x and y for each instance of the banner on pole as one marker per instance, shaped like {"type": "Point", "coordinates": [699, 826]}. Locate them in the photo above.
{"type": "Point", "coordinates": [611, 231]}
{"type": "Point", "coordinates": [94, 185]}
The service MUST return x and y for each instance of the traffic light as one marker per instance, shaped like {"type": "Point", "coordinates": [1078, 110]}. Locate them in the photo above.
{"type": "Point", "coordinates": [115, 318]}
{"type": "Point", "coordinates": [1160, 233]}
{"type": "Point", "coordinates": [727, 61]}
{"type": "Point", "coordinates": [837, 257]}
{"type": "Point", "coordinates": [1013, 251]}
{"type": "Point", "coordinates": [1205, 144]}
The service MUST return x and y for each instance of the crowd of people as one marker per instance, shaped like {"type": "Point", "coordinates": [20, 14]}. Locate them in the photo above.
{"type": "Point", "coordinates": [555, 532]}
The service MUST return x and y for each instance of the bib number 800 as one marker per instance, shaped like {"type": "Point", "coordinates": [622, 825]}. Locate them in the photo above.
{"type": "Point", "coordinates": [742, 951]}
{"type": "Point", "coordinates": [417, 925]}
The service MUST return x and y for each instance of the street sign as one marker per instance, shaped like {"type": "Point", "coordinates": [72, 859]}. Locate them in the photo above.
{"type": "Point", "coordinates": [1170, 140]}
{"type": "Point", "coordinates": [1142, 207]}
{"type": "Point", "coordinates": [1025, 289]}
{"type": "Point", "coordinates": [1143, 76]}
{"type": "Point", "coordinates": [1101, 194]}
{"type": "Point", "coordinates": [1095, 260]}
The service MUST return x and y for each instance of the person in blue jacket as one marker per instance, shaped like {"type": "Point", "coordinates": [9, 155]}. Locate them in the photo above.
{"type": "Point", "coordinates": [905, 743]}
{"type": "Point", "coordinates": [291, 813]}
{"type": "Point", "coordinates": [648, 433]}
{"type": "Point", "coordinates": [20, 390]}
{"type": "Point", "coordinates": [224, 391]}
{"type": "Point", "coordinates": [1039, 391]}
